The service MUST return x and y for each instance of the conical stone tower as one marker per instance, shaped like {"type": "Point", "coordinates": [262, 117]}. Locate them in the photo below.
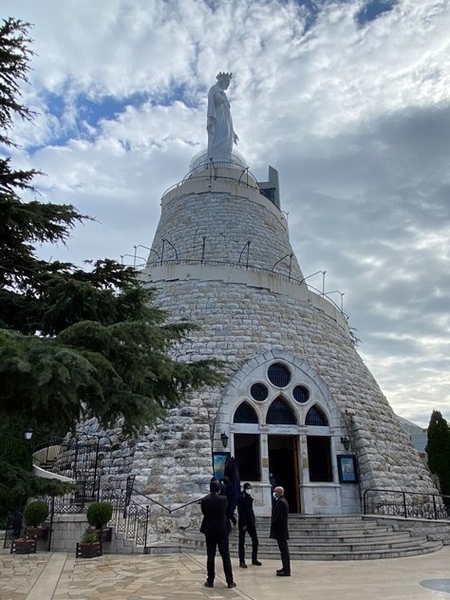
{"type": "Point", "coordinates": [296, 390]}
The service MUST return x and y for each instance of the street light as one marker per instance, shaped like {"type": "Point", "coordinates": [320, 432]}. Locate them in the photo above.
{"type": "Point", "coordinates": [345, 442]}
{"type": "Point", "coordinates": [28, 434]}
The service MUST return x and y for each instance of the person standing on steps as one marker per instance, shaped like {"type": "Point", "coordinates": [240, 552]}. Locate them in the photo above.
{"type": "Point", "coordinates": [246, 524]}
{"type": "Point", "coordinates": [279, 529]}
{"type": "Point", "coordinates": [230, 493]}
{"type": "Point", "coordinates": [215, 527]}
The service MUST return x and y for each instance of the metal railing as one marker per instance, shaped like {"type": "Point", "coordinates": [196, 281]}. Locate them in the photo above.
{"type": "Point", "coordinates": [250, 267]}
{"type": "Point", "coordinates": [399, 503]}
{"type": "Point", "coordinates": [208, 171]}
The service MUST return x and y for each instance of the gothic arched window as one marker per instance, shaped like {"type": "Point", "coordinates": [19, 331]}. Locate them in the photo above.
{"type": "Point", "coordinates": [316, 416]}
{"type": "Point", "coordinates": [280, 413]}
{"type": "Point", "coordinates": [245, 414]}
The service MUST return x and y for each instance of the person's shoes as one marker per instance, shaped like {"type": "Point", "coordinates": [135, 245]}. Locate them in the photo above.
{"type": "Point", "coordinates": [283, 573]}
{"type": "Point", "coordinates": [242, 564]}
{"type": "Point", "coordinates": [280, 571]}
{"type": "Point", "coordinates": [208, 584]}
{"type": "Point", "coordinates": [257, 563]}
{"type": "Point", "coordinates": [232, 584]}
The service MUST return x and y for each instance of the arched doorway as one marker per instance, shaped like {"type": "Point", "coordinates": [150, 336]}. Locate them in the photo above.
{"type": "Point", "coordinates": [283, 465]}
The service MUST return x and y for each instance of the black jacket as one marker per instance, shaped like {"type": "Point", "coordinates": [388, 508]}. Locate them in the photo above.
{"type": "Point", "coordinates": [245, 511]}
{"type": "Point", "coordinates": [214, 509]}
{"type": "Point", "coordinates": [279, 522]}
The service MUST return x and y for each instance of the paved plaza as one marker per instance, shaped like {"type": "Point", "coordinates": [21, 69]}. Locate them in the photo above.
{"type": "Point", "coordinates": [60, 576]}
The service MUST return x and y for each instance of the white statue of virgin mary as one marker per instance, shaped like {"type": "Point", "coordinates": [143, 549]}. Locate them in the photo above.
{"type": "Point", "coordinates": [221, 135]}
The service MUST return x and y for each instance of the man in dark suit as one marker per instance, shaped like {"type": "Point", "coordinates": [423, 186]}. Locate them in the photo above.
{"type": "Point", "coordinates": [215, 526]}
{"type": "Point", "coordinates": [247, 524]}
{"type": "Point", "coordinates": [279, 529]}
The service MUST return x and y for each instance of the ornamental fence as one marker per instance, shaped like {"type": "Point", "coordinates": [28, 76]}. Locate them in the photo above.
{"type": "Point", "coordinates": [410, 505]}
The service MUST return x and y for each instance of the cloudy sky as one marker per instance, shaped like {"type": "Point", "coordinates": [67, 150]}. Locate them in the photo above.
{"type": "Point", "coordinates": [348, 99]}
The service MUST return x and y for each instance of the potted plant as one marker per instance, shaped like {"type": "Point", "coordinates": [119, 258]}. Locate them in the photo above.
{"type": "Point", "coordinates": [34, 515]}
{"type": "Point", "coordinates": [89, 546]}
{"type": "Point", "coordinates": [23, 546]}
{"type": "Point", "coordinates": [98, 515]}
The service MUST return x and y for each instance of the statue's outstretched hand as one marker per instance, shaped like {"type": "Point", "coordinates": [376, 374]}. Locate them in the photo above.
{"type": "Point", "coordinates": [236, 139]}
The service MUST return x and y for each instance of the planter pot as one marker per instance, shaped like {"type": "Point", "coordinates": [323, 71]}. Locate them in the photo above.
{"type": "Point", "coordinates": [88, 550]}
{"type": "Point", "coordinates": [105, 534]}
{"type": "Point", "coordinates": [39, 533]}
{"type": "Point", "coordinates": [23, 546]}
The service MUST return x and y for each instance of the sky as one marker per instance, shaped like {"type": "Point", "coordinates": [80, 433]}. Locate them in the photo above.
{"type": "Point", "coordinates": [348, 99]}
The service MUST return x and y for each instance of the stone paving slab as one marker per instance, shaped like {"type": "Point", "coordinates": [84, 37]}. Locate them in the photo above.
{"type": "Point", "coordinates": [60, 576]}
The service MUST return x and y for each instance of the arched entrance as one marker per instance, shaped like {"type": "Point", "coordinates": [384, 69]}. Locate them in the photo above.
{"type": "Point", "coordinates": [283, 424]}
{"type": "Point", "coordinates": [283, 467]}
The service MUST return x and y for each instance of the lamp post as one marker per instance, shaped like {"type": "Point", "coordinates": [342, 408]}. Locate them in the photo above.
{"type": "Point", "coordinates": [28, 434]}
{"type": "Point", "coordinates": [345, 442]}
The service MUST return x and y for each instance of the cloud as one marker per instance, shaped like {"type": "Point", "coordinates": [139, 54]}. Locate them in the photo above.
{"type": "Point", "coordinates": [349, 100]}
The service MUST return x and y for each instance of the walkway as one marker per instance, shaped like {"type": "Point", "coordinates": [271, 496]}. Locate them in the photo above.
{"type": "Point", "coordinates": [59, 576]}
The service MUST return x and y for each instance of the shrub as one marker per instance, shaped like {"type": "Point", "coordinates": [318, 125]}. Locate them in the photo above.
{"type": "Point", "coordinates": [89, 537]}
{"type": "Point", "coordinates": [99, 513]}
{"type": "Point", "coordinates": [35, 513]}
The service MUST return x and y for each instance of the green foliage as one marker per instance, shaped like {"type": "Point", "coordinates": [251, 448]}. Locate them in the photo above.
{"type": "Point", "coordinates": [35, 513]}
{"type": "Point", "coordinates": [99, 513]}
{"type": "Point", "coordinates": [89, 536]}
{"type": "Point", "coordinates": [74, 343]}
{"type": "Point", "coordinates": [438, 450]}
{"type": "Point", "coordinates": [14, 59]}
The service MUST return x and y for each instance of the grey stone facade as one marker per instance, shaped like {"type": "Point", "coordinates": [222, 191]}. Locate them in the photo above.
{"type": "Point", "coordinates": [254, 310]}
{"type": "Point", "coordinates": [221, 258]}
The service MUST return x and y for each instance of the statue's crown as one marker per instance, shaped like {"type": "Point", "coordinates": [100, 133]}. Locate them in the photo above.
{"type": "Point", "coordinates": [221, 75]}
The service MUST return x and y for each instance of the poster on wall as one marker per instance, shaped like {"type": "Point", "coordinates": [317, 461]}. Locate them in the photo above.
{"type": "Point", "coordinates": [347, 468]}
{"type": "Point", "coordinates": [219, 460]}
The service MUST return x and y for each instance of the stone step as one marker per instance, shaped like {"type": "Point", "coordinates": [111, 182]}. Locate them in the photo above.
{"type": "Point", "coordinates": [311, 538]}
{"type": "Point", "coordinates": [325, 538]}
{"type": "Point", "coordinates": [413, 548]}
{"type": "Point", "coordinates": [324, 546]}
{"type": "Point", "coordinates": [318, 531]}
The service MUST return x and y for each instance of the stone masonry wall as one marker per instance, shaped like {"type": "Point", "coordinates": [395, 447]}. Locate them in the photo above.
{"type": "Point", "coordinates": [228, 224]}
{"type": "Point", "coordinates": [238, 322]}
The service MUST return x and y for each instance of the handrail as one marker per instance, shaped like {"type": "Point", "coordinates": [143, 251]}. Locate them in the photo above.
{"type": "Point", "coordinates": [204, 172]}
{"type": "Point", "coordinates": [289, 278]}
{"type": "Point", "coordinates": [169, 510]}
{"type": "Point", "coordinates": [187, 504]}
{"type": "Point", "coordinates": [437, 509]}
{"type": "Point", "coordinates": [151, 500]}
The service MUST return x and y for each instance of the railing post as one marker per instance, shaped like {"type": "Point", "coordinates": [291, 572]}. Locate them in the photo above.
{"type": "Point", "coordinates": [364, 502]}
{"type": "Point", "coordinates": [434, 507]}
{"type": "Point", "coordinates": [404, 505]}
{"type": "Point", "coordinates": [203, 248]}
{"type": "Point", "coordinates": [50, 530]}
{"type": "Point", "coordinates": [147, 513]}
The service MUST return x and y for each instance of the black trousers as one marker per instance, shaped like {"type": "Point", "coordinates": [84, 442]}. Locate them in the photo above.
{"type": "Point", "coordinates": [252, 533]}
{"type": "Point", "coordinates": [213, 542]}
{"type": "Point", "coordinates": [284, 551]}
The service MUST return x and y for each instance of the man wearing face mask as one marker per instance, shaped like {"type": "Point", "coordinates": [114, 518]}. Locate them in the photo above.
{"type": "Point", "coordinates": [279, 529]}
{"type": "Point", "coordinates": [246, 524]}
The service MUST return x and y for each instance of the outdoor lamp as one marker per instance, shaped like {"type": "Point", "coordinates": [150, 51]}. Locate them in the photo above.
{"type": "Point", "coordinates": [345, 442]}
{"type": "Point", "coordinates": [28, 434]}
{"type": "Point", "coordinates": [224, 439]}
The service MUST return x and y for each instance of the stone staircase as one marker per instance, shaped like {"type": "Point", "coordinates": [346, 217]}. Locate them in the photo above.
{"type": "Point", "coordinates": [324, 538]}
